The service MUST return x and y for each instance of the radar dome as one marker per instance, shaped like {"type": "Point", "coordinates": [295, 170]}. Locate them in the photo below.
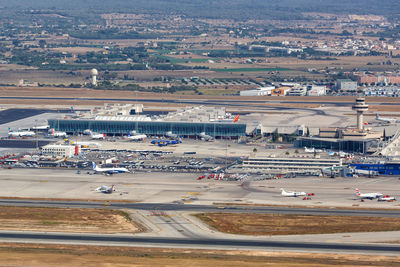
{"type": "Point", "coordinates": [94, 72]}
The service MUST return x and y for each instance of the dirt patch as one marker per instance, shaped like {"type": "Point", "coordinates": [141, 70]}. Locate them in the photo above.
{"type": "Point", "coordinates": [280, 224]}
{"type": "Point", "coordinates": [73, 255]}
{"type": "Point", "coordinates": [67, 220]}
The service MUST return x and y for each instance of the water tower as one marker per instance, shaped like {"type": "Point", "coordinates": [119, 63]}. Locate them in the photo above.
{"type": "Point", "coordinates": [94, 74]}
{"type": "Point", "coordinates": [360, 107]}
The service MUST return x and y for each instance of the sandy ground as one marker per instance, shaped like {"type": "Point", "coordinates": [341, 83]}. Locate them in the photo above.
{"type": "Point", "coordinates": [66, 220]}
{"type": "Point", "coordinates": [64, 255]}
{"type": "Point", "coordinates": [280, 224]}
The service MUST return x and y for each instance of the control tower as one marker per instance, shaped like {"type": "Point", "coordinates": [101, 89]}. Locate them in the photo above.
{"type": "Point", "coordinates": [360, 107]}
{"type": "Point", "coordinates": [94, 74]}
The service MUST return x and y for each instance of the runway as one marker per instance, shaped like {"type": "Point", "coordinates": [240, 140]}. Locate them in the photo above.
{"type": "Point", "coordinates": [218, 243]}
{"type": "Point", "coordinates": [202, 208]}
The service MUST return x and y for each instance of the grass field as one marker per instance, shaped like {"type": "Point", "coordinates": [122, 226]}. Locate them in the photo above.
{"type": "Point", "coordinates": [12, 254]}
{"type": "Point", "coordinates": [66, 220]}
{"type": "Point", "coordinates": [279, 224]}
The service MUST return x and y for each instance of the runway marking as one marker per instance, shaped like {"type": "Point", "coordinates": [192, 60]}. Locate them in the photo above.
{"type": "Point", "coordinates": [43, 181]}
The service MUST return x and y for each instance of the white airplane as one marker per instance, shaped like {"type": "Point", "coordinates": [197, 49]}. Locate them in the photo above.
{"type": "Point", "coordinates": [387, 120]}
{"type": "Point", "coordinates": [105, 189]}
{"type": "Point", "coordinates": [366, 172]}
{"type": "Point", "coordinates": [20, 133]}
{"type": "Point", "coordinates": [138, 137]}
{"type": "Point", "coordinates": [387, 198]}
{"type": "Point", "coordinates": [109, 170]}
{"type": "Point", "coordinates": [94, 135]}
{"type": "Point", "coordinates": [368, 195]}
{"type": "Point", "coordinates": [97, 136]}
{"type": "Point", "coordinates": [54, 133]}
{"type": "Point", "coordinates": [206, 137]}
{"type": "Point", "coordinates": [292, 193]}
{"type": "Point", "coordinates": [171, 135]}
{"type": "Point", "coordinates": [312, 150]}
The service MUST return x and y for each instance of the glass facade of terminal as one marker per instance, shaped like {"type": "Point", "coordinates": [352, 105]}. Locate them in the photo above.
{"type": "Point", "coordinates": [150, 127]}
{"type": "Point", "coordinates": [360, 146]}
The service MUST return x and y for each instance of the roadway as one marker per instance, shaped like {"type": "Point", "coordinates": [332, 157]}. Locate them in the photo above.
{"type": "Point", "coordinates": [170, 225]}
{"type": "Point", "coordinates": [201, 208]}
{"type": "Point", "coordinates": [217, 243]}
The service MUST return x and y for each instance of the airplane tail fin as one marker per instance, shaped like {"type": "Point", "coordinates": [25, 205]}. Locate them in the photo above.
{"type": "Point", "coordinates": [283, 190]}
{"type": "Point", "coordinates": [94, 165]}
{"type": "Point", "coordinates": [377, 116]}
{"type": "Point", "coordinates": [236, 118]}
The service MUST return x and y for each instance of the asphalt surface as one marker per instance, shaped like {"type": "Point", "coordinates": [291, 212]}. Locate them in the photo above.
{"type": "Point", "coordinates": [203, 208]}
{"type": "Point", "coordinates": [14, 114]}
{"type": "Point", "coordinates": [222, 243]}
{"type": "Point", "coordinates": [232, 103]}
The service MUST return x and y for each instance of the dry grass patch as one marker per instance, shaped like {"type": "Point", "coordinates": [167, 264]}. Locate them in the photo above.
{"type": "Point", "coordinates": [279, 224]}
{"type": "Point", "coordinates": [67, 220]}
{"type": "Point", "coordinates": [75, 255]}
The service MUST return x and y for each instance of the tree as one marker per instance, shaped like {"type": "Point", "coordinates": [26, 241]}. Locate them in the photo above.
{"type": "Point", "coordinates": [287, 153]}
{"type": "Point", "coordinates": [42, 43]}
{"type": "Point", "coordinates": [254, 150]}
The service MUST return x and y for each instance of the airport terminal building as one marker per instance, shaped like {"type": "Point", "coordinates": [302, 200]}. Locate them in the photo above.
{"type": "Point", "coordinates": [121, 127]}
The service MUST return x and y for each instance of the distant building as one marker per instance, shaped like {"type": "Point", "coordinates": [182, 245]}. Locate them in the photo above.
{"type": "Point", "coordinates": [258, 92]}
{"type": "Point", "coordinates": [297, 91]}
{"type": "Point", "coordinates": [290, 165]}
{"type": "Point", "coordinates": [380, 79]}
{"type": "Point", "coordinates": [346, 85]}
{"type": "Point", "coordinates": [317, 91]}
{"type": "Point", "coordinates": [58, 150]}
{"type": "Point", "coordinates": [281, 91]}
{"type": "Point", "coordinates": [368, 79]}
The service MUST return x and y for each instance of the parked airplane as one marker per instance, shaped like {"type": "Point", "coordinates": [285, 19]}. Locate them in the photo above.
{"type": "Point", "coordinates": [138, 137]}
{"type": "Point", "coordinates": [368, 195]}
{"type": "Point", "coordinates": [55, 133]}
{"type": "Point", "coordinates": [133, 135]}
{"type": "Point", "coordinates": [171, 135]}
{"type": "Point", "coordinates": [292, 193]}
{"type": "Point", "coordinates": [109, 170]}
{"type": "Point", "coordinates": [387, 198]}
{"type": "Point", "coordinates": [226, 120]}
{"type": "Point", "coordinates": [97, 136]}
{"type": "Point", "coordinates": [12, 133]}
{"type": "Point", "coordinates": [160, 142]}
{"type": "Point", "coordinates": [366, 172]}
{"type": "Point", "coordinates": [312, 150]}
{"type": "Point", "coordinates": [94, 135]}
{"type": "Point", "coordinates": [105, 189]}
{"type": "Point", "coordinates": [387, 120]}
{"type": "Point", "coordinates": [206, 137]}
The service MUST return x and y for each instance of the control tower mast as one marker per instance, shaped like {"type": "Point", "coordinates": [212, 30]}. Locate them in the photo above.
{"type": "Point", "coordinates": [360, 107]}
